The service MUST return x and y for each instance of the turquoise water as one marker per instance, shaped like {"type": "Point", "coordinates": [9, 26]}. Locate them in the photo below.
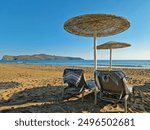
{"type": "Point", "coordinates": [87, 63]}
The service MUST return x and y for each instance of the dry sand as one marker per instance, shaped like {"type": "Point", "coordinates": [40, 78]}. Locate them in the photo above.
{"type": "Point", "coordinates": [30, 88]}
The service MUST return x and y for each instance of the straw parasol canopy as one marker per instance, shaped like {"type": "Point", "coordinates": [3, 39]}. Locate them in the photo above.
{"type": "Point", "coordinates": [103, 24]}
{"type": "Point", "coordinates": [113, 45]}
{"type": "Point", "coordinates": [96, 25]}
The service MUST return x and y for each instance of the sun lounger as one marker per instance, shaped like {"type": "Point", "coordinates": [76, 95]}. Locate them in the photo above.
{"type": "Point", "coordinates": [113, 86]}
{"type": "Point", "coordinates": [75, 78]}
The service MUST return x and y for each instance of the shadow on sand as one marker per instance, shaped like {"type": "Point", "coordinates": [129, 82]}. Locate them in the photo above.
{"type": "Point", "coordinates": [47, 99]}
{"type": "Point", "coordinates": [8, 85]}
{"type": "Point", "coordinates": [142, 98]}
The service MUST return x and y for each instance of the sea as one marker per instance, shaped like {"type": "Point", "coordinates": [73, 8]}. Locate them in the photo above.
{"type": "Point", "coordinates": [141, 64]}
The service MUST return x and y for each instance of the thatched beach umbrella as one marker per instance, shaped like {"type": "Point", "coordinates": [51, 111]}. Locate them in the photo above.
{"type": "Point", "coordinates": [112, 45]}
{"type": "Point", "coordinates": [96, 25]}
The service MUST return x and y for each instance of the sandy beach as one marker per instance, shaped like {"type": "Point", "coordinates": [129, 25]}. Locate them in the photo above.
{"type": "Point", "coordinates": [37, 89]}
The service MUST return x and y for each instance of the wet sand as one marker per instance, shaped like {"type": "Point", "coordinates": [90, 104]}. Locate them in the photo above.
{"type": "Point", "coordinates": [37, 89]}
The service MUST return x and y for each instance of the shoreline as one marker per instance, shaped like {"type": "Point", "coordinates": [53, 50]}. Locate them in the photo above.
{"type": "Point", "coordinates": [75, 66]}
{"type": "Point", "coordinates": [36, 88]}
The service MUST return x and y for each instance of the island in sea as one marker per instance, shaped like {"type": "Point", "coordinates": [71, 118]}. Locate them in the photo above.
{"type": "Point", "coordinates": [39, 57]}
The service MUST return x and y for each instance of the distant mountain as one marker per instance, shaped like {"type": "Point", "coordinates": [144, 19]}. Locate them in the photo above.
{"type": "Point", "coordinates": [39, 57]}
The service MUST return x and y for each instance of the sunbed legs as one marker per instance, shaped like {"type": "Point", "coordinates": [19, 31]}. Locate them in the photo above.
{"type": "Point", "coordinates": [125, 103]}
{"type": "Point", "coordinates": [95, 100]}
{"type": "Point", "coordinates": [82, 95]}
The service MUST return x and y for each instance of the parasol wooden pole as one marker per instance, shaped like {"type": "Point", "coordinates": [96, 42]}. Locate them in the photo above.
{"type": "Point", "coordinates": [95, 50]}
{"type": "Point", "coordinates": [110, 58]}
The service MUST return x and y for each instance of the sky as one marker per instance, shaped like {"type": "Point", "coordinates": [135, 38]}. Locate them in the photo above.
{"type": "Point", "coordinates": [36, 27]}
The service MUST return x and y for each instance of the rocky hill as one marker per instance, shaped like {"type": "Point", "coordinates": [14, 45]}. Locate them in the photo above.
{"type": "Point", "coordinates": [39, 57]}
